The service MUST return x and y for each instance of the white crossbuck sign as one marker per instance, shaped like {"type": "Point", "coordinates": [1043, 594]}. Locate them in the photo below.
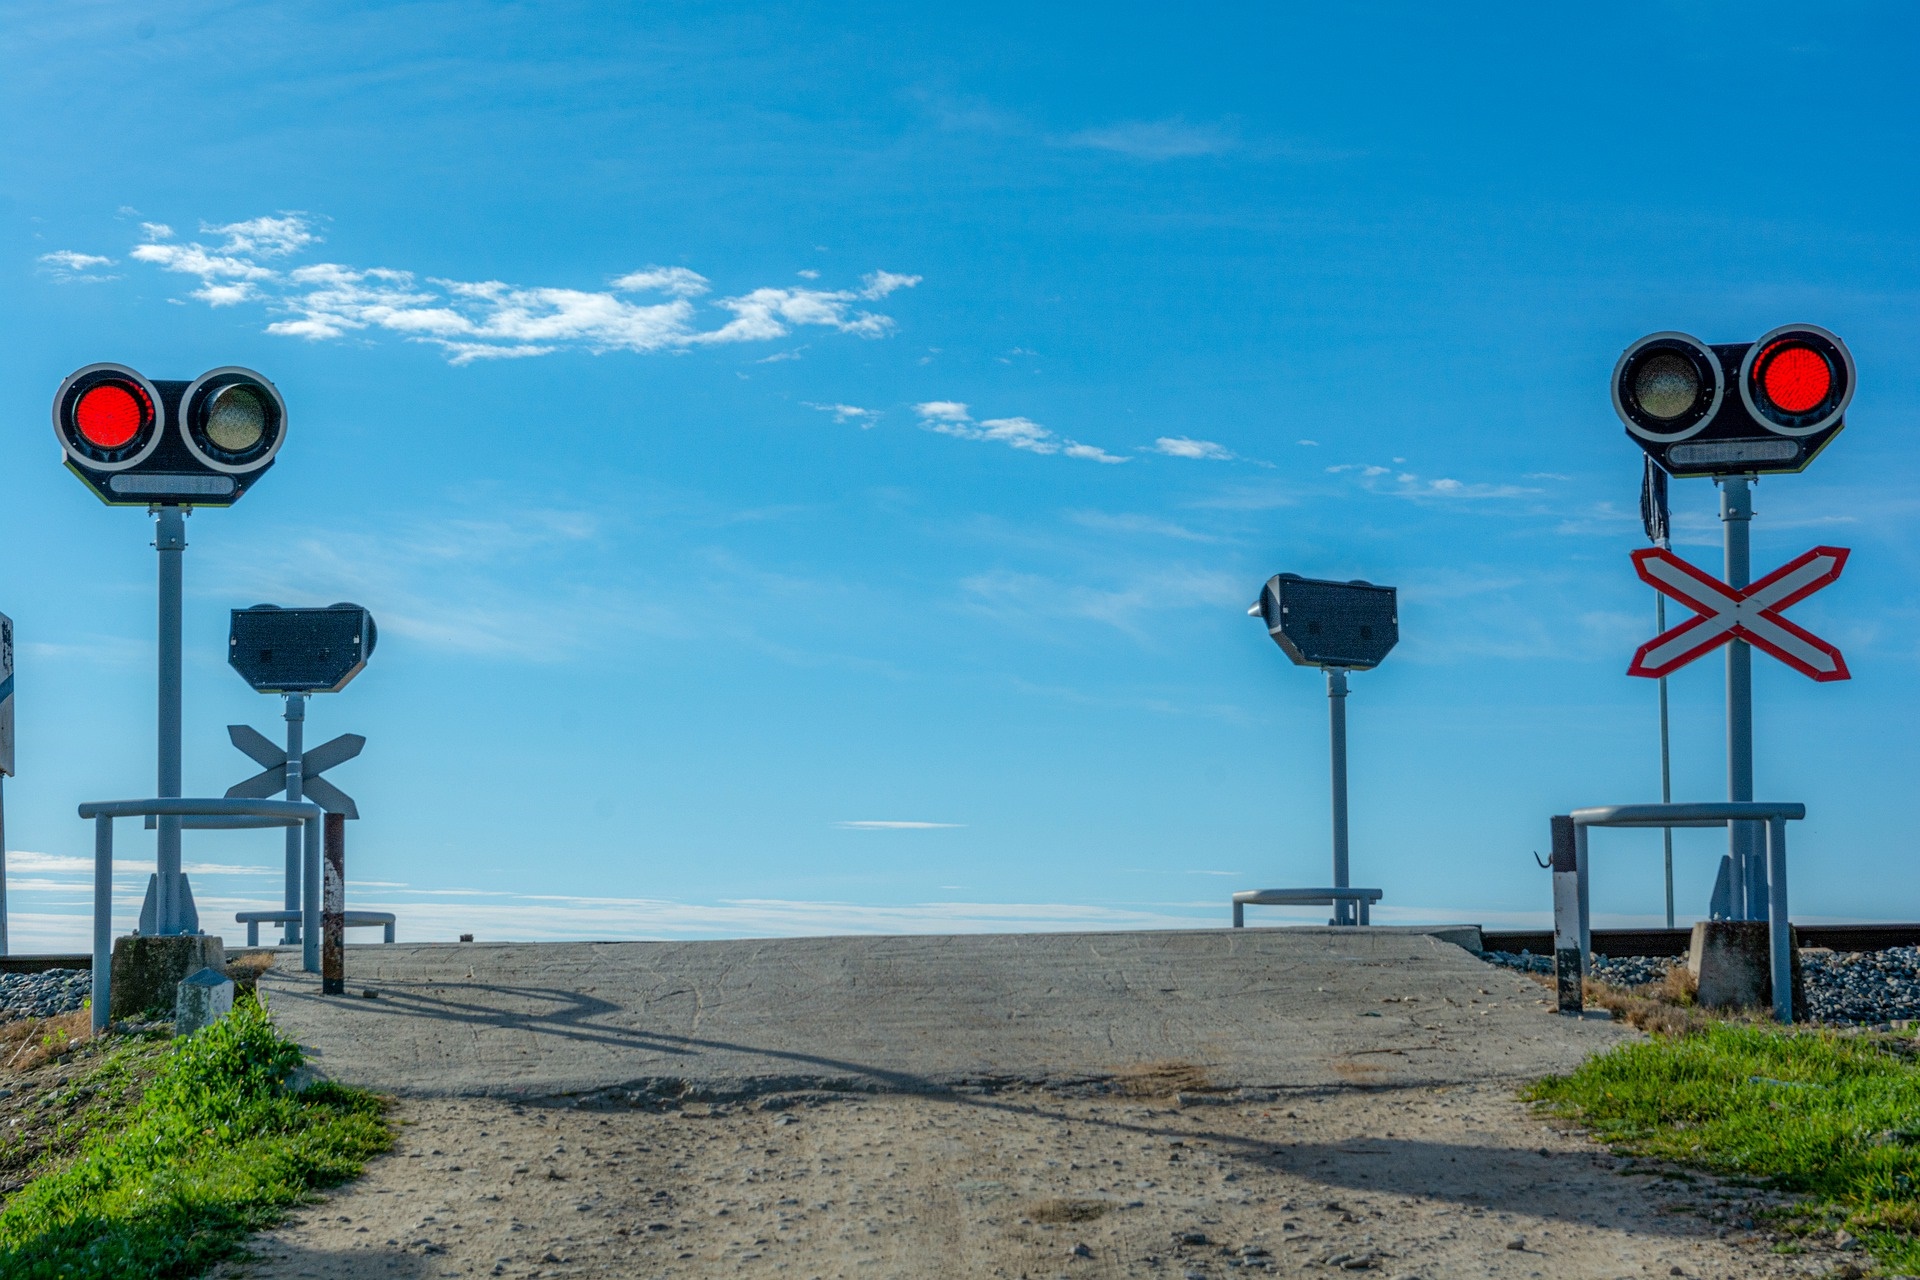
{"type": "Point", "coordinates": [272, 780]}
{"type": "Point", "coordinates": [1753, 614]}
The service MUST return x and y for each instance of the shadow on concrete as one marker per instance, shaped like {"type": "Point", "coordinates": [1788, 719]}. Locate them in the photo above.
{"type": "Point", "coordinates": [571, 1022]}
{"type": "Point", "coordinates": [570, 1015]}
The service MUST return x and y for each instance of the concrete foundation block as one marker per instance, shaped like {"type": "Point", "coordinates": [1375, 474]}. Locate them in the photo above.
{"type": "Point", "coordinates": [147, 971]}
{"type": "Point", "coordinates": [1731, 961]}
{"type": "Point", "coordinates": [205, 996]}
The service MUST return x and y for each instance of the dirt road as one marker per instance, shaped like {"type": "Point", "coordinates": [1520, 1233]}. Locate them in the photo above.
{"type": "Point", "coordinates": [1450, 1182]}
{"type": "Point", "coordinates": [1166, 1105]}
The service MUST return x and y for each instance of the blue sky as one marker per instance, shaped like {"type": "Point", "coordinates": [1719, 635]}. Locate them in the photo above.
{"type": "Point", "coordinates": [752, 427]}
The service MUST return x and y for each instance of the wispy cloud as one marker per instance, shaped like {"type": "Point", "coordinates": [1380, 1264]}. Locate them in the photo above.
{"type": "Point", "coordinates": [1187, 447]}
{"type": "Point", "coordinates": [1126, 606]}
{"type": "Point", "coordinates": [68, 267]}
{"type": "Point", "coordinates": [1406, 484]}
{"type": "Point", "coordinates": [442, 583]}
{"type": "Point", "coordinates": [650, 310]}
{"type": "Point", "coordinates": [875, 824]}
{"type": "Point", "coordinates": [848, 413]}
{"type": "Point", "coordinates": [1156, 140]}
{"type": "Point", "coordinates": [952, 418]}
{"type": "Point", "coordinates": [1131, 523]}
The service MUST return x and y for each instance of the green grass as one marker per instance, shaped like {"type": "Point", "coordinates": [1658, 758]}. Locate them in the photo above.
{"type": "Point", "coordinates": [218, 1146]}
{"type": "Point", "coordinates": [1833, 1118]}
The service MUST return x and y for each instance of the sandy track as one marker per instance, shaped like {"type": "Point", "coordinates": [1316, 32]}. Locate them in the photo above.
{"type": "Point", "coordinates": [983, 1106]}
{"type": "Point", "coordinates": [1427, 1182]}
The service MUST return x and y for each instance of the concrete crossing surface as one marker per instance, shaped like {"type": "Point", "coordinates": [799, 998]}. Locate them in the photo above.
{"type": "Point", "coordinates": [1260, 1008]}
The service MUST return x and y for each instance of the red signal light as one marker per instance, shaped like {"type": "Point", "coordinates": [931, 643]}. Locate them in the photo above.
{"type": "Point", "coordinates": [1797, 380]}
{"type": "Point", "coordinates": [110, 414]}
{"type": "Point", "coordinates": [1794, 377]}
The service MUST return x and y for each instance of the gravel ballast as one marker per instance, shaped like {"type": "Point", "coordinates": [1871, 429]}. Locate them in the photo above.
{"type": "Point", "coordinates": [1845, 988]}
{"type": "Point", "coordinates": [43, 995]}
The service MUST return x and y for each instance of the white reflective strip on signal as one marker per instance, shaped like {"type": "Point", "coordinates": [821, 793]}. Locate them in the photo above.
{"type": "Point", "coordinates": [1703, 597]}
{"type": "Point", "coordinates": [1797, 580]}
{"type": "Point", "coordinates": [1706, 634]}
{"type": "Point", "coordinates": [1772, 633]}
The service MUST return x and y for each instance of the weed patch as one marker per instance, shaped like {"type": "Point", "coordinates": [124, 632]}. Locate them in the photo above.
{"type": "Point", "coordinates": [218, 1144]}
{"type": "Point", "coordinates": [1834, 1118]}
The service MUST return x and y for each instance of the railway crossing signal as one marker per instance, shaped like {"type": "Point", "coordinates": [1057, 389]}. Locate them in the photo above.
{"type": "Point", "coordinates": [1734, 412]}
{"type": "Point", "coordinates": [1744, 408]}
{"type": "Point", "coordinates": [138, 443]}
{"type": "Point", "coordinates": [1338, 627]}
{"type": "Point", "coordinates": [1723, 614]}
{"type": "Point", "coordinates": [168, 446]}
{"type": "Point", "coordinates": [296, 652]}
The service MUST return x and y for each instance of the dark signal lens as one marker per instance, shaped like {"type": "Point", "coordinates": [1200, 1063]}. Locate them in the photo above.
{"type": "Point", "coordinates": [111, 413]}
{"type": "Point", "coordinates": [1795, 378]}
{"type": "Point", "coordinates": [233, 420]}
{"type": "Point", "coordinates": [237, 418]}
{"type": "Point", "coordinates": [1666, 386]}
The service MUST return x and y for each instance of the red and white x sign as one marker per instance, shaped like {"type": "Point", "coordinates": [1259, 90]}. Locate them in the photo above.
{"type": "Point", "coordinates": [1753, 615]}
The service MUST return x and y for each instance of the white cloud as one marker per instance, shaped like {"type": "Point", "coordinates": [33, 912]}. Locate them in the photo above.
{"type": "Point", "coordinates": [1311, 444]}
{"type": "Point", "coordinates": [648, 310]}
{"type": "Point", "coordinates": [848, 413]}
{"type": "Point", "coordinates": [952, 418]}
{"type": "Point", "coordinates": [1107, 522]}
{"type": "Point", "coordinates": [265, 237]}
{"type": "Point", "coordinates": [1185, 447]}
{"type": "Point", "coordinates": [678, 281]}
{"type": "Point", "coordinates": [1172, 139]}
{"type": "Point", "coordinates": [1128, 606]}
{"type": "Point", "coordinates": [879, 825]}
{"type": "Point", "coordinates": [69, 267]}
{"type": "Point", "coordinates": [1407, 484]}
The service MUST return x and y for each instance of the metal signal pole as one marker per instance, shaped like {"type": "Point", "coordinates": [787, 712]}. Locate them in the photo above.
{"type": "Point", "coordinates": [170, 541]}
{"type": "Point", "coordinates": [1657, 520]}
{"type": "Point", "coordinates": [1666, 759]}
{"type": "Point", "coordinates": [1749, 888]}
{"type": "Point", "coordinates": [296, 716]}
{"type": "Point", "coordinates": [1337, 727]}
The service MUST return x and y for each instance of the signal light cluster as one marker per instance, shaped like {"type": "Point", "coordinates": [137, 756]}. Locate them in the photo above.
{"type": "Point", "coordinates": [138, 443]}
{"type": "Point", "coordinates": [1793, 387]}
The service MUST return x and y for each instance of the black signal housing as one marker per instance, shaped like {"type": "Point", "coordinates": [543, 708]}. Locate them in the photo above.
{"type": "Point", "coordinates": [280, 650]}
{"type": "Point", "coordinates": [202, 443]}
{"type": "Point", "coordinates": [1318, 622]}
{"type": "Point", "coordinates": [1757, 408]}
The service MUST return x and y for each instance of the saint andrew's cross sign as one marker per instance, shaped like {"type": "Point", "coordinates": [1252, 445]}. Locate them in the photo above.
{"type": "Point", "coordinates": [1752, 614]}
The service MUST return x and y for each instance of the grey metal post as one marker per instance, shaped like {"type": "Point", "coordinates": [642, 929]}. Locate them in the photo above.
{"type": "Point", "coordinates": [102, 921]}
{"type": "Point", "coordinates": [1780, 930]}
{"type": "Point", "coordinates": [1567, 963]}
{"type": "Point", "coordinates": [1736, 517]}
{"type": "Point", "coordinates": [1337, 724]}
{"type": "Point", "coordinates": [1666, 758]}
{"type": "Point", "coordinates": [170, 540]}
{"type": "Point", "coordinates": [1581, 881]}
{"type": "Point", "coordinates": [310, 897]}
{"type": "Point", "coordinates": [3, 865]}
{"type": "Point", "coordinates": [296, 734]}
